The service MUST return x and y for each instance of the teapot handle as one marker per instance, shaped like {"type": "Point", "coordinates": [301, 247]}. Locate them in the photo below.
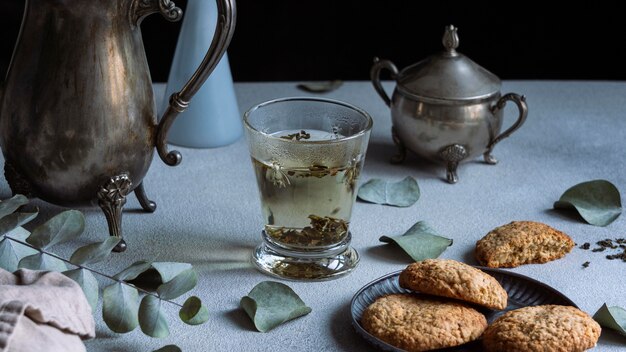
{"type": "Point", "coordinates": [375, 77]}
{"type": "Point", "coordinates": [520, 101]}
{"type": "Point", "coordinates": [180, 101]}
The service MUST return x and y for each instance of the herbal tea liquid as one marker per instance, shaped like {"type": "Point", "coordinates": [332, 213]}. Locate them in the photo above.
{"type": "Point", "coordinates": [307, 206]}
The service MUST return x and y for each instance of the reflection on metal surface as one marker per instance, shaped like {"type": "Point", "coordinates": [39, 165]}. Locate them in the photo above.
{"type": "Point", "coordinates": [77, 106]}
{"type": "Point", "coordinates": [443, 101]}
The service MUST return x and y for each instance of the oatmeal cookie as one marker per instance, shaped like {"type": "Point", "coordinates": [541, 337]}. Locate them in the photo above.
{"type": "Point", "coordinates": [522, 242]}
{"type": "Point", "coordinates": [542, 328]}
{"type": "Point", "coordinates": [449, 278]}
{"type": "Point", "coordinates": [418, 323]}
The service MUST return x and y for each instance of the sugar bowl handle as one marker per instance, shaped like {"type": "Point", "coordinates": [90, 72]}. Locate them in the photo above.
{"type": "Point", "coordinates": [179, 101]}
{"type": "Point", "coordinates": [375, 77]}
{"type": "Point", "coordinates": [520, 101]}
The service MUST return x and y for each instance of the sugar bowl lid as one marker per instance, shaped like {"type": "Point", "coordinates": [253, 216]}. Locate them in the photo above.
{"type": "Point", "coordinates": [448, 75]}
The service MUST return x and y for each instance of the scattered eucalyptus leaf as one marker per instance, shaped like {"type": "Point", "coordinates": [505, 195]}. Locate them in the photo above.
{"type": "Point", "coordinates": [89, 284]}
{"type": "Point", "coordinates": [168, 270]}
{"type": "Point", "coordinates": [133, 270]}
{"type": "Point", "coordinates": [12, 252]}
{"type": "Point", "coordinates": [400, 194]}
{"type": "Point", "coordinates": [120, 307]}
{"type": "Point", "coordinates": [41, 261]}
{"type": "Point", "coordinates": [179, 285]}
{"type": "Point", "coordinates": [271, 303]}
{"type": "Point", "coordinates": [151, 318]}
{"type": "Point", "coordinates": [420, 242]}
{"type": "Point", "coordinates": [11, 221]}
{"type": "Point", "coordinates": [598, 202]}
{"type": "Point", "coordinates": [61, 228]}
{"type": "Point", "coordinates": [8, 257]}
{"type": "Point", "coordinates": [169, 348]}
{"type": "Point", "coordinates": [612, 318]}
{"type": "Point", "coordinates": [9, 206]}
{"type": "Point", "coordinates": [193, 312]}
{"type": "Point", "coordinates": [320, 86]}
{"type": "Point", "coordinates": [95, 252]}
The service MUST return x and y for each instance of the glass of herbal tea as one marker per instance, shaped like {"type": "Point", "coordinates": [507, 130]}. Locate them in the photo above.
{"type": "Point", "coordinates": [307, 155]}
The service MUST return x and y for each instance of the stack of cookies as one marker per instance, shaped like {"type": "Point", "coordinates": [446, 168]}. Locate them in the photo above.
{"type": "Point", "coordinates": [444, 314]}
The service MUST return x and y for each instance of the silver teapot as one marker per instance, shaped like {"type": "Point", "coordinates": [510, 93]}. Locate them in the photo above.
{"type": "Point", "coordinates": [78, 122]}
{"type": "Point", "coordinates": [447, 108]}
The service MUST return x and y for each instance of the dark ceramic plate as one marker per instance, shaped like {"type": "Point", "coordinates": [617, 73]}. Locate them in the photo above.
{"type": "Point", "coordinates": [523, 291]}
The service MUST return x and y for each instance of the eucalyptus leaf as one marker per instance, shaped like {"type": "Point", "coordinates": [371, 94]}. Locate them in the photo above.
{"type": "Point", "coordinates": [41, 261]}
{"type": "Point", "coordinates": [95, 252]}
{"type": "Point", "coordinates": [400, 194]}
{"type": "Point", "coordinates": [420, 242]}
{"type": "Point", "coordinates": [8, 206]}
{"type": "Point", "coordinates": [320, 86]}
{"type": "Point", "coordinates": [612, 318]}
{"type": "Point", "coordinates": [193, 312]}
{"type": "Point", "coordinates": [598, 202]}
{"type": "Point", "coordinates": [180, 284]}
{"type": "Point", "coordinates": [133, 270]}
{"type": "Point", "coordinates": [270, 304]}
{"type": "Point", "coordinates": [61, 228]}
{"type": "Point", "coordinates": [169, 348]}
{"type": "Point", "coordinates": [12, 252]}
{"type": "Point", "coordinates": [168, 270]}
{"type": "Point", "coordinates": [120, 307]}
{"type": "Point", "coordinates": [151, 319]}
{"type": "Point", "coordinates": [13, 220]}
{"type": "Point", "coordinates": [89, 284]}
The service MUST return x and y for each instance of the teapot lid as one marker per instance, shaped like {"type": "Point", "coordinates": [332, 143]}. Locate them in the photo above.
{"type": "Point", "coordinates": [448, 75]}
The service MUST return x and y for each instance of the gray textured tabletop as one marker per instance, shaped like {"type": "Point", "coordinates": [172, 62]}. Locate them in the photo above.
{"type": "Point", "coordinates": [209, 215]}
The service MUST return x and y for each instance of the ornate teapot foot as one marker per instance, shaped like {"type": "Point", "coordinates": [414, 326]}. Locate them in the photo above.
{"type": "Point", "coordinates": [401, 156]}
{"type": "Point", "coordinates": [453, 154]}
{"type": "Point", "coordinates": [147, 205]}
{"type": "Point", "coordinates": [111, 198]}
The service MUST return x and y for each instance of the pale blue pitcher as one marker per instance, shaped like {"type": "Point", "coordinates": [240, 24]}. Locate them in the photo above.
{"type": "Point", "coordinates": [213, 119]}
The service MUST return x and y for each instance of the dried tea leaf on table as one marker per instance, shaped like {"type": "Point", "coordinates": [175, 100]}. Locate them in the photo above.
{"type": "Point", "coordinates": [598, 202]}
{"type": "Point", "coordinates": [612, 318]}
{"type": "Point", "coordinates": [400, 194]}
{"type": "Point", "coordinates": [271, 304]}
{"type": "Point", "coordinates": [420, 242]}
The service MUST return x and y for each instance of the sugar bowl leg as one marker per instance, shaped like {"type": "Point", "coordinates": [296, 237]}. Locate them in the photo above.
{"type": "Point", "coordinates": [401, 156]}
{"type": "Point", "coordinates": [452, 155]}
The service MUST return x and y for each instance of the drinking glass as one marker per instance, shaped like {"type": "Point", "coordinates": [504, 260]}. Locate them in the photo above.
{"type": "Point", "coordinates": [307, 154]}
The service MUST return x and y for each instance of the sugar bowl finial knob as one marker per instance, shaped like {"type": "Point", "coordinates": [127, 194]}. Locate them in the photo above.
{"type": "Point", "coordinates": [450, 39]}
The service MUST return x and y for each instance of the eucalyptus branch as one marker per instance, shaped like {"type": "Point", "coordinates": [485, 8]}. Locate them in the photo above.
{"type": "Point", "coordinates": [122, 310]}
{"type": "Point", "coordinates": [24, 243]}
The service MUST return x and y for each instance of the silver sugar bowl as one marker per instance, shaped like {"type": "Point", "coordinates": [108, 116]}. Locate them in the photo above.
{"type": "Point", "coordinates": [447, 108]}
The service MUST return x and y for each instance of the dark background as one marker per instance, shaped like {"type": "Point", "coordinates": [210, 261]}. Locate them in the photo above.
{"type": "Point", "coordinates": [299, 40]}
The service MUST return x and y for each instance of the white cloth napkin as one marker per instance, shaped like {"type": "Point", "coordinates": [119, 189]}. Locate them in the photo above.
{"type": "Point", "coordinates": [43, 311]}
